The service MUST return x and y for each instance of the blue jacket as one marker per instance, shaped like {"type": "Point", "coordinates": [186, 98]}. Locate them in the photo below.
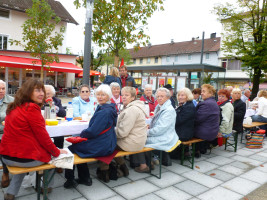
{"type": "Point", "coordinates": [207, 119]}
{"type": "Point", "coordinates": [185, 121]}
{"type": "Point", "coordinates": [162, 135]}
{"type": "Point", "coordinates": [109, 79]}
{"type": "Point", "coordinates": [80, 106]}
{"type": "Point", "coordinates": [98, 143]}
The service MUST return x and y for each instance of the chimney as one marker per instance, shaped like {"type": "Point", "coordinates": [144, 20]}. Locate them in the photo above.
{"type": "Point", "coordinates": [213, 35]}
{"type": "Point", "coordinates": [193, 39]}
{"type": "Point", "coordinates": [172, 41]}
{"type": "Point", "coordinates": [149, 45]}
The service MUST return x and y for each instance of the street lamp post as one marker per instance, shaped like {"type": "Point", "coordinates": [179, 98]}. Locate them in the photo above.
{"type": "Point", "coordinates": [87, 41]}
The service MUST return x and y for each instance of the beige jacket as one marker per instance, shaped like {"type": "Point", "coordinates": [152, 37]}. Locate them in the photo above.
{"type": "Point", "coordinates": [131, 129]}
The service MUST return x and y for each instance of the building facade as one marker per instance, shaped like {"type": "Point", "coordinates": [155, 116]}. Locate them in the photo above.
{"type": "Point", "coordinates": [14, 66]}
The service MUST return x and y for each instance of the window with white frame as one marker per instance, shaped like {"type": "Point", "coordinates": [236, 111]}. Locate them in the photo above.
{"type": "Point", "coordinates": [148, 60]}
{"type": "Point", "coordinates": [3, 42]}
{"type": "Point", "coordinates": [141, 60]}
{"type": "Point", "coordinates": [4, 13]}
{"type": "Point", "coordinates": [207, 56]}
{"type": "Point", "coordinates": [168, 59]}
{"type": "Point", "coordinates": [156, 59]}
{"type": "Point", "coordinates": [134, 61]}
{"type": "Point", "coordinates": [176, 58]}
{"type": "Point", "coordinates": [189, 57]}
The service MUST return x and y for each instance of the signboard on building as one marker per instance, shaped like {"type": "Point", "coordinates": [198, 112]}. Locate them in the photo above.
{"type": "Point", "coordinates": [181, 81]}
{"type": "Point", "coordinates": [144, 82]}
{"type": "Point", "coordinates": [161, 82]}
{"type": "Point", "coordinates": [153, 82]}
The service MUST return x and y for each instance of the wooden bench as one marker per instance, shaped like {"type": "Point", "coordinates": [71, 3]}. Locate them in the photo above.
{"type": "Point", "coordinates": [42, 170]}
{"type": "Point", "coordinates": [192, 143]}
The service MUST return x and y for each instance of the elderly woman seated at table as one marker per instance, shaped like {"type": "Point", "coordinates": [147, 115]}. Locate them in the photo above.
{"type": "Point", "coordinates": [25, 142]}
{"type": "Point", "coordinates": [148, 98]}
{"type": "Point", "coordinates": [60, 111]}
{"type": "Point", "coordinates": [261, 115]}
{"type": "Point", "coordinates": [116, 97]}
{"type": "Point", "coordinates": [131, 129]}
{"type": "Point", "coordinates": [185, 118]}
{"type": "Point", "coordinates": [100, 134]}
{"type": "Point", "coordinates": [83, 104]}
{"type": "Point", "coordinates": [207, 118]}
{"type": "Point", "coordinates": [161, 133]}
{"type": "Point", "coordinates": [239, 110]}
{"type": "Point", "coordinates": [227, 113]}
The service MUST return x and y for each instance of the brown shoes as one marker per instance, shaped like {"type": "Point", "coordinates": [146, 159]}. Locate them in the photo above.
{"type": "Point", "coordinates": [139, 170]}
{"type": "Point", "coordinates": [59, 170]}
{"type": "Point", "coordinates": [9, 197]}
{"type": "Point", "coordinates": [5, 180]}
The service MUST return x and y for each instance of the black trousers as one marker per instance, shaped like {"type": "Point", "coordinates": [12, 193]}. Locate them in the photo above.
{"type": "Point", "coordinates": [83, 172]}
{"type": "Point", "coordinates": [59, 141]}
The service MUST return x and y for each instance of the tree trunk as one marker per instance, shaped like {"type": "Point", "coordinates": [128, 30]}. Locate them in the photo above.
{"type": "Point", "coordinates": [42, 74]}
{"type": "Point", "coordinates": [256, 82]}
{"type": "Point", "coordinates": [92, 80]}
{"type": "Point", "coordinates": [116, 61]}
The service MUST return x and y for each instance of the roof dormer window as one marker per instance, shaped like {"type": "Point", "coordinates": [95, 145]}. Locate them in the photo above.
{"type": "Point", "coordinates": [4, 13]}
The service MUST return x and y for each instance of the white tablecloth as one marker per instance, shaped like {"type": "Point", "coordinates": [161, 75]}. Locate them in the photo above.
{"type": "Point", "coordinates": [250, 112]}
{"type": "Point", "coordinates": [67, 128]}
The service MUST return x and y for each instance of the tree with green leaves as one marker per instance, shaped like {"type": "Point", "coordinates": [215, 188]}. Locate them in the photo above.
{"type": "Point", "coordinates": [117, 23]}
{"type": "Point", "coordinates": [245, 36]}
{"type": "Point", "coordinates": [39, 35]}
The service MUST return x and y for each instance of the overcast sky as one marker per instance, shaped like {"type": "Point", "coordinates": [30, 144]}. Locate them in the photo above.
{"type": "Point", "coordinates": [181, 20]}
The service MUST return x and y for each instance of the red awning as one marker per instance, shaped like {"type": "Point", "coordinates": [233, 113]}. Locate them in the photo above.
{"type": "Point", "coordinates": [20, 62]}
{"type": "Point", "coordinates": [262, 86]}
{"type": "Point", "coordinates": [92, 73]}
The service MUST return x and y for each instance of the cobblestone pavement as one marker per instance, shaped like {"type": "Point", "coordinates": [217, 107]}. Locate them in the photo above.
{"type": "Point", "coordinates": [221, 175]}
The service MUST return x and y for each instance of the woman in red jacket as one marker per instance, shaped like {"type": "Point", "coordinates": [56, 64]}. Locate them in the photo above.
{"type": "Point", "coordinates": [25, 142]}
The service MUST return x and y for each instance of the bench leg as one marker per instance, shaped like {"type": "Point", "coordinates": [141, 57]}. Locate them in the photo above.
{"type": "Point", "coordinates": [236, 139]}
{"type": "Point", "coordinates": [225, 145]}
{"type": "Point", "coordinates": [182, 156]}
{"type": "Point", "coordinates": [45, 184]}
{"type": "Point", "coordinates": [193, 156]}
{"type": "Point", "coordinates": [160, 164]}
{"type": "Point", "coordinates": [38, 185]}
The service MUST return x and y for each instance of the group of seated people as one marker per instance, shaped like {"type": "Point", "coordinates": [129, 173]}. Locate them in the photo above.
{"type": "Point", "coordinates": [118, 122]}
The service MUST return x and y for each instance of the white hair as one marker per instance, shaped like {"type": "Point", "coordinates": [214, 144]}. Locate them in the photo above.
{"type": "Point", "coordinates": [3, 82]}
{"type": "Point", "coordinates": [168, 94]}
{"type": "Point", "coordinates": [114, 84]}
{"type": "Point", "coordinates": [105, 89]}
{"type": "Point", "coordinates": [236, 90]}
{"type": "Point", "coordinates": [187, 92]}
{"type": "Point", "coordinates": [51, 88]}
{"type": "Point", "coordinates": [148, 86]}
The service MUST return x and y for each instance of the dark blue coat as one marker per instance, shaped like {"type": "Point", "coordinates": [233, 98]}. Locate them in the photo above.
{"type": "Point", "coordinates": [239, 113]}
{"type": "Point", "coordinates": [62, 111]}
{"type": "Point", "coordinates": [98, 144]}
{"type": "Point", "coordinates": [207, 119]}
{"type": "Point", "coordinates": [185, 120]}
{"type": "Point", "coordinates": [109, 79]}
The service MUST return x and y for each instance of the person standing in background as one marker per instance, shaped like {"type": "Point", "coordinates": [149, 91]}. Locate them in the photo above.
{"type": "Point", "coordinates": [126, 79]}
{"type": "Point", "coordinates": [4, 101]}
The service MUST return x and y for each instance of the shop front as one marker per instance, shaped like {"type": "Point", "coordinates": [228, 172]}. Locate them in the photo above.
{"type": "Point", "coordinates": [16, 70]}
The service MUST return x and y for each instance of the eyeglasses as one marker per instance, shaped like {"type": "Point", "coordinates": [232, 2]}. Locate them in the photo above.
{"type": "Point", "coordinates": [85, 91]}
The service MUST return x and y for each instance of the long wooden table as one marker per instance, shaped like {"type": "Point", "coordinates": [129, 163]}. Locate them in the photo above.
{"type": "Point", "coordinates": [254, 124]}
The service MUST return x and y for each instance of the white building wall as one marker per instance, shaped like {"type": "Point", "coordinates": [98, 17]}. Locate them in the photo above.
{"type": "Point", "coordinates": [12, 28]}
{"type": "Point", "coordinates": [195, 59]}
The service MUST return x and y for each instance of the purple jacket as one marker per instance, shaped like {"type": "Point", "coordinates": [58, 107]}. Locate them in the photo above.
{"type": "Point", "coordinates": [207, 119]}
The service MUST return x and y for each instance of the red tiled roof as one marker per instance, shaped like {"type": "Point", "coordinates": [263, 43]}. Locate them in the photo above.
{"type": "Point", "coordinates": [210, 45]}
{"type": "Point", "coordinates": [22, 5]}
